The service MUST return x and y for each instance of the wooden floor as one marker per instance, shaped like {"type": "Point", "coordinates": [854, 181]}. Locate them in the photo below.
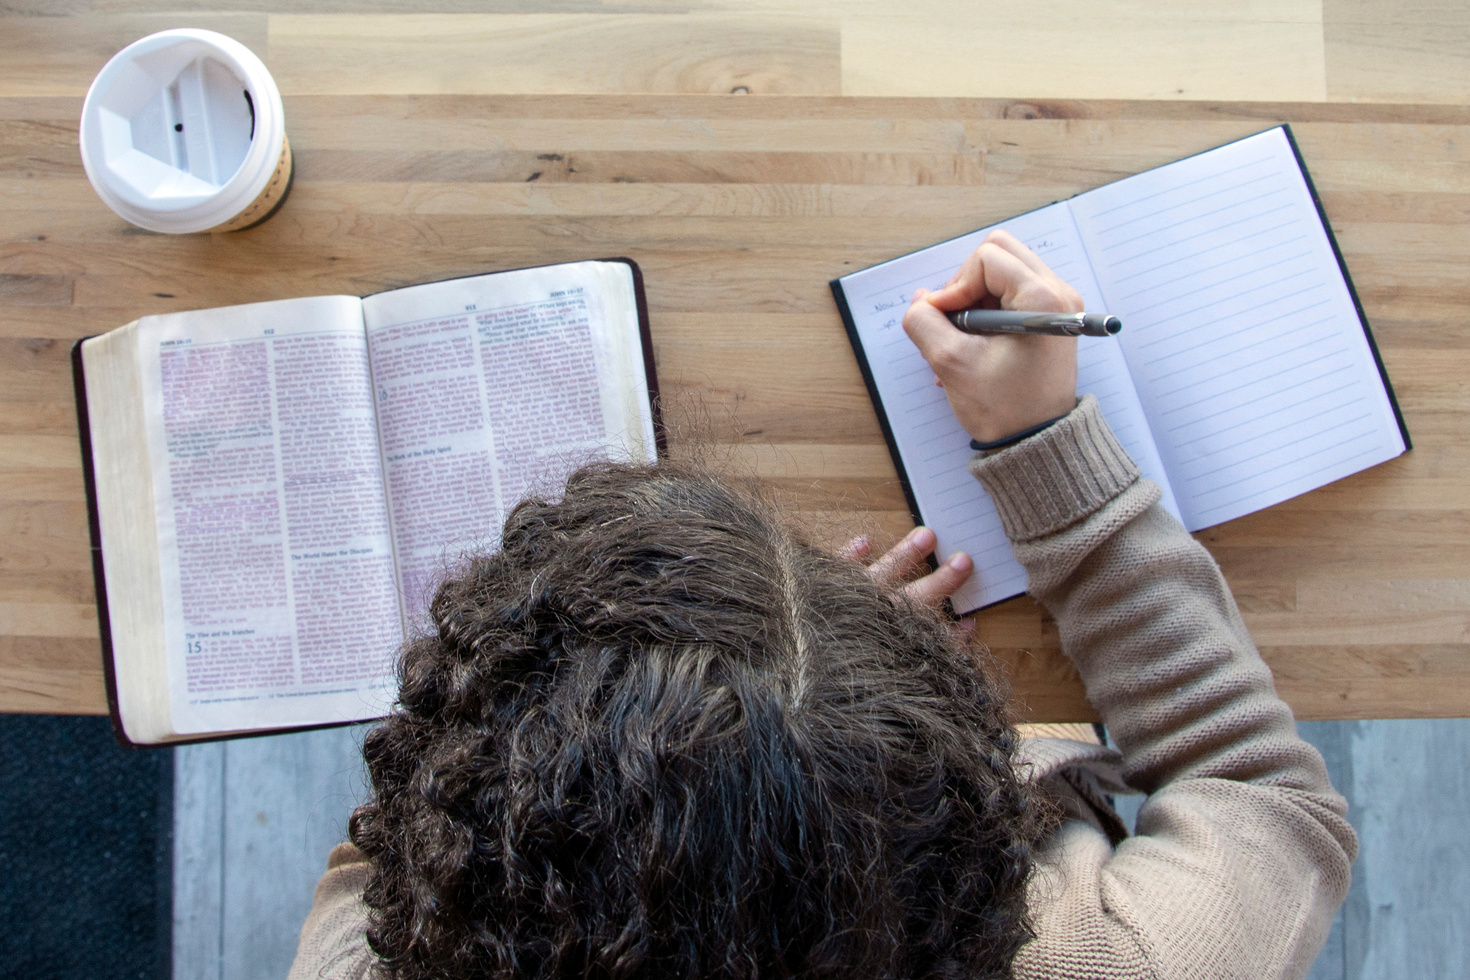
{"type": "Point", "coordinates": [253, 822]}
{"type": "Point", "coordinates": [255, 818]}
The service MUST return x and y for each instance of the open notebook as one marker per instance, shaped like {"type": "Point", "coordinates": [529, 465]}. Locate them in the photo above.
{"type": "Point", "coordinates": [1245, 373]}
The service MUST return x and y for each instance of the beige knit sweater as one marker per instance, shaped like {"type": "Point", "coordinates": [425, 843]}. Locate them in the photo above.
{"type": "Point", "coordinates": [1242, 851]}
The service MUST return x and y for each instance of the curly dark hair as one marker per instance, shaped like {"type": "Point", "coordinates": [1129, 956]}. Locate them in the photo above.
{"type": "Point", "coordinates": [658, 735]}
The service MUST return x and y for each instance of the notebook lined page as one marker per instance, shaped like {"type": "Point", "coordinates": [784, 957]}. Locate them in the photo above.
{"type": "Point", "coordinates": [1243, 341]}
{"type": "Point", "coordinates": [935, 449]}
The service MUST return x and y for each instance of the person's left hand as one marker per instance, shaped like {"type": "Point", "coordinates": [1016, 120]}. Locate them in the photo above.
{"type": "Point", "coordinates": [897, 566]}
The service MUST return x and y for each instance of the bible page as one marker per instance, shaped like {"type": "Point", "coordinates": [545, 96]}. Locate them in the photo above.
{"type": "Point", "coordinates": [272, 523]}
{"type": "Point", "coordinates": [934, 447]}
{"type": "Point", "coordinates": [1243, 340]}
{"type": "Point", "coordinates": [493, 387]}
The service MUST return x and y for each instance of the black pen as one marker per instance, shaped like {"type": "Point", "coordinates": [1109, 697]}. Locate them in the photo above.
{"type": "Point", "coordinates": [1019, 321]}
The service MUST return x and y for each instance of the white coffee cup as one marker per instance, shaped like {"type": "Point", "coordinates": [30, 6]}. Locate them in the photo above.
{"type": "Point", "coordinates": [183, 131]}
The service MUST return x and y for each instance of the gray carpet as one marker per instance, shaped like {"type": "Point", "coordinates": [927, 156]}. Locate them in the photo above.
{"type": "Point", "coordinates": [85, 852]}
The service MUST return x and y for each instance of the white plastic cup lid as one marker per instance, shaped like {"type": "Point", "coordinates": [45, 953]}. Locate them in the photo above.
{"type": "Point", "coordinates": [182, 130]}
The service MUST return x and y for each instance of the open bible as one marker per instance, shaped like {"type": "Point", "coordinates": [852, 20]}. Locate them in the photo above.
{"type": "Point", "coordinates": [1245, 373]}
{"type": "Point", "coordinates": [276, 488]}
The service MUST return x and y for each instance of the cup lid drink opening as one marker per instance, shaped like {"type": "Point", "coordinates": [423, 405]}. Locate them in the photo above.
{"type": "Point", "coordinates": [181, 130]}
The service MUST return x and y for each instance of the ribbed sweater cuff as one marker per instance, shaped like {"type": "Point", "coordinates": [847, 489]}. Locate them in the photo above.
{"type": "Point", "coordinates": [1058, 476]}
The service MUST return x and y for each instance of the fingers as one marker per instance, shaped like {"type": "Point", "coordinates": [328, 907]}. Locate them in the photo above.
{"type": "Point", "coordinates": [931, 332]}
{"type": "Point", "coordinates": [1003, 271]}
{"type": "Point", "coordinates": [1046, 290]}
{"type": "Point", "coordinates": [965, 289]}
{"type": "Point", "coordinates": [903, 558]}
{"type": "Point", "coordinates": [991, 272]}
{"type": "Point", "coordinates": [857, 549]}
{"type": "Point", "coordinates": [1016, 247]}
{"type": "Point", "coordinates": [939, 585]}
{"type": "Point", "coordinates": [906, 557]}
{"type": "Point", "coordinates": [1006, 276]}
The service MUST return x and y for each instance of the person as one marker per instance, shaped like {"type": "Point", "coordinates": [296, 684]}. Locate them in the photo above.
{"type": "Point", "coordinates": [658, 734]}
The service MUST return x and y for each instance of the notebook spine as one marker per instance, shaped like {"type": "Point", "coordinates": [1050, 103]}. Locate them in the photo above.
{"type": "Point", "coordinates": [1347, 278]}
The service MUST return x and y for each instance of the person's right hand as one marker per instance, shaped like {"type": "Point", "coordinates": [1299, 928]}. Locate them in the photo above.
{"type": "Point", "coordinates": [998, 384]}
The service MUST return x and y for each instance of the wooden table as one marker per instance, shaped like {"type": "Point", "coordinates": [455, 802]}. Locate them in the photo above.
{"type": "Point", "coordinates": [739, 211]}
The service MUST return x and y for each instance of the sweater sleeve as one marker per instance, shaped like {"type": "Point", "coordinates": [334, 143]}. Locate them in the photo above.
{"type": "Point", "coordinates": [1242, 851]}
{"type": "Point", "coordinates": [333, 943]}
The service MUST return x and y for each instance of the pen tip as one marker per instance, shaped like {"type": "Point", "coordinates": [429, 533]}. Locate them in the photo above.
{"type": "Point", "coordinates": [1112, 325]}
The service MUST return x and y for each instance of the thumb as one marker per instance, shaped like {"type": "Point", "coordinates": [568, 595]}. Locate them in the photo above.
{"type": "Point", "coordinates": [955, 295]}
{"type": "Point", "coordinates": [929, 329]}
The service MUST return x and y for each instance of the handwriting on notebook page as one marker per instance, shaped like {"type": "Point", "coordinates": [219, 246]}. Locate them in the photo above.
{"type": "Point", "coordinates": [934, 447]}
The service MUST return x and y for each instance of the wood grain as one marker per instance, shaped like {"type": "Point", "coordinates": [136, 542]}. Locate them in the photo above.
{"type": "Point", "coordinates": [739, 210]}
{"type": "Point", "coordinates": [1344, 50]}
{"type": "Point", "coordinates": [1417, 51]}
{"type": "Point", "coordinates": [60, 55]}
{"type": "Point", "coordinates": [1191, 49]}
{"type": "Point", "coordinates": [414, 53]}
